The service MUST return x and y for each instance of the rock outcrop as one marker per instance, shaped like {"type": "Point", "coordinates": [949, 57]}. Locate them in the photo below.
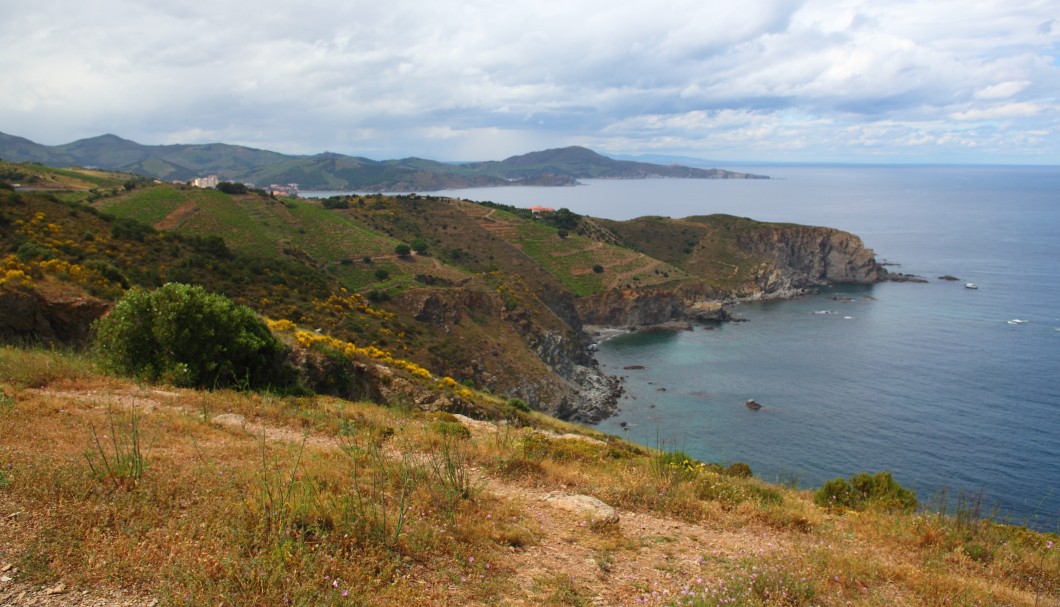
{"type": "Point", "coordinates": [789, 261]}
{"type": "Point", "coordinates": [802, 257]}
{"type": "Point", "coordinates": [51, 314]}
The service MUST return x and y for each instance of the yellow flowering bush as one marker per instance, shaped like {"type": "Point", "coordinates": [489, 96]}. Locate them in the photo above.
{"type": "Point", "coordinates": [309, 339]}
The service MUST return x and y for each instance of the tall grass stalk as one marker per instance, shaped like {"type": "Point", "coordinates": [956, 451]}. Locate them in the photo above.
{"type": "Point", "coordinates": [381, 493]}
{"type": "Point", "coordinates": [278, 506]}
{"type": "Point", "coordinates": [451, 474]}
{"type": "Point", "coordinates": [117, 460]}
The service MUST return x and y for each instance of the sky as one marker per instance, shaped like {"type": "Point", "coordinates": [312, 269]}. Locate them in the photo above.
{"type": "Point", "coordinates": [873, 81]}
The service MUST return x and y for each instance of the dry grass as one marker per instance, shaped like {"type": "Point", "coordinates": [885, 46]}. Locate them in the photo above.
{"type": "Point", "coordinates": [320, 501]}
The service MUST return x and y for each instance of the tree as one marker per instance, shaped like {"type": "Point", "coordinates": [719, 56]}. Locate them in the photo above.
{"type": "Point", "coordinates": [564, 219]}
{"type": "Point", "coordinates": [232, 188]}
{"type": "Point", "coordinates": [419, 246]}
{"type": "Point", "coordinates": [382, 274]}
{"type": "Point", "coordinates": [335, 202]}
{"type": "Point", "coordinates": [403, 250]}
{"type": "Point", "coordinates": [599, 269]}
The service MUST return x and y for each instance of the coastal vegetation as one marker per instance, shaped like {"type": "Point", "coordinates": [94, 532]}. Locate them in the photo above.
{"type": "Point", "coordinates": [138, 494]}
{"type": "Point", "coordinates": [293, 402]}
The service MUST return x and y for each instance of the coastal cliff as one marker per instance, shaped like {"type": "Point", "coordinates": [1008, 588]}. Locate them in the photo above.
{"type": "Point", "coordinates": [492, 297]}
{"type": "Point", "coordinates": [730, 260]}
{"type": "Point", "coordinates": [802, 257]}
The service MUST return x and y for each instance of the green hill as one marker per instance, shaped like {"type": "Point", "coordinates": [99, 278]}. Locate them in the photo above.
{"type": "Point", "coordinates": [329, 171]}
{"type": "Point", "coordinates": [492, 295]}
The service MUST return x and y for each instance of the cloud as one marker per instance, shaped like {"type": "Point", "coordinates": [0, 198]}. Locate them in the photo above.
{"type": "Point", "coordinates": [1007, 110]}
{"type": "Point", "coordinates": [482, 79]}
{"type": "Point", "coordinates": [1002, 90]}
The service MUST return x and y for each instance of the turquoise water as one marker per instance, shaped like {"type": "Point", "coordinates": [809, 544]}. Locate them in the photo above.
{"type": "Point", "coordinates": [930, 381]}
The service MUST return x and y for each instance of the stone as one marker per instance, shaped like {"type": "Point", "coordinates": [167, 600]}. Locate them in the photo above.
{"type": "Point", "coordinates": [585, 505]}
{"type": "Point", "coordinates": [475, 425]}
{"type": "Point", "coordinates": [233, 421]}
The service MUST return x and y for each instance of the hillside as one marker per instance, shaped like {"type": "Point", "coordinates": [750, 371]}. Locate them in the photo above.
{"type": "Point", "coordinates": [329, 171]}
{"type": "Point", "coordinates": [518, 286]}
{"type": "Point", "coordinates": [113, 494]}
{"type": "Point", "coordinates": [405, 466]}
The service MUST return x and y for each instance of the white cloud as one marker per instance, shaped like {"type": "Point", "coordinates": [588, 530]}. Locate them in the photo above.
{"type": "Point", "coordinates": [1007, 110]}
{"type": "Point", "coordinates": [1002, 90]}
{"type": "Point", "coordinates": [474, 78]}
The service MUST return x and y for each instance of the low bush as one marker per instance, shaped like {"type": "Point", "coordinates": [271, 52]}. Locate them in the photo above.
{"type": "Point", "coordinates": [877, 491]}
{"type": "Point", "coordinates": [184, 335]}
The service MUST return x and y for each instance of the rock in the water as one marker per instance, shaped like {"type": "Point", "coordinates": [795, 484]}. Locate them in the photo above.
{"type": "Point", "coordinates": [899, 277]}
{"type": "Point", "coordinates": [752, 404]}
{"type": "Point", "coordinates": [594, 509]}
{"type": "Point", "coordinates": [948, 277]}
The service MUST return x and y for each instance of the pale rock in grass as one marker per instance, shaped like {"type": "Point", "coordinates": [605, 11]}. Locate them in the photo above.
{"type": "Point", "coordinates": [586, 505]}
{"type": "Point", "coordinates": [232, 421]}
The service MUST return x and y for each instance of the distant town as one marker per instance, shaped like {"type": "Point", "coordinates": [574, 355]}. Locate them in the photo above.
{"type": "Point", "coordinates": [211, 181]}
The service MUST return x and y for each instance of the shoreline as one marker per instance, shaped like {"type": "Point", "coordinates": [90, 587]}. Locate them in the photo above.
{"type": "Point", "coordinates": [601, 333]}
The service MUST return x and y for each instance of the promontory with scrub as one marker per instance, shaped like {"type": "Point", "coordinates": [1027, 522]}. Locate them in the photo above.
{"type": "Point", "coordinates": [227, 396]}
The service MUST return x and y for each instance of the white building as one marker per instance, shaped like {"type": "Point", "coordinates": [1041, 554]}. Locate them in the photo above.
{"type": "Point", "coordinates": [209, 181]}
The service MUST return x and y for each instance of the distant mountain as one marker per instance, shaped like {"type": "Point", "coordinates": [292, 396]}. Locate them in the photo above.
{"type": "Point", "coordinates": [329, 171]}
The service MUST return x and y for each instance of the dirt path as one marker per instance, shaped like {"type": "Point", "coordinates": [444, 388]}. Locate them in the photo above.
{"type": "Point", "coordinates": [178, 217]}
{"type": "Point", "coordinates": [642, 559]}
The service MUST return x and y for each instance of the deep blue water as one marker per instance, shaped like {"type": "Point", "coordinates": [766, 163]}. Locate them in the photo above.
{"type": "Point", "coordinates": [929, 381]}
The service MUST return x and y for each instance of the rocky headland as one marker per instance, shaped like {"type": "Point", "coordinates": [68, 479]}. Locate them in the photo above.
{"type": "Point", "coordinates": [509, 302]}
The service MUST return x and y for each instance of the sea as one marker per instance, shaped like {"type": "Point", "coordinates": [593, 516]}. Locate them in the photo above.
{"type": "Point", "coordinates": [955, 391]}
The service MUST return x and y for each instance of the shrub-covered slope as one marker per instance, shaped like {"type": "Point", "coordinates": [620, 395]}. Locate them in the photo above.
{"type": "Point", "coordinates": [485, 293]}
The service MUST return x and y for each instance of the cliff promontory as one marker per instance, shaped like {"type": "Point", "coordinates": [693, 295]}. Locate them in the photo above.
{"type": "Point", "coordinates": [728, 259]}
{"type": "Point", "coordinates": [490, 296]}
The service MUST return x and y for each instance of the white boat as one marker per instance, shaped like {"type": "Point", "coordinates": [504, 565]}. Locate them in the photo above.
{"type": "Point", "coordinates": [970, 285]}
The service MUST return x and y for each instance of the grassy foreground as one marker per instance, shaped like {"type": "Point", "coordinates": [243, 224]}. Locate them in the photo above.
{"type": "Point", "coordinates": [231, 498]}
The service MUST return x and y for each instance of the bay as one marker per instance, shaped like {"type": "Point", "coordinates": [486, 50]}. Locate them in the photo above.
{"type": "Point", "coordinates": [933, 382]}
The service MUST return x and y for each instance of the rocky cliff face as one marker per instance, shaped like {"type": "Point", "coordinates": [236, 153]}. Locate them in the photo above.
{"type": "Point", "coordinates": [801, 257]}
{"type": "Point", "coordinates": [791, 260]}
{"type": "Point", "coordinates": [52, 315]}
{"type": "Point", "coordinates": [529, 352]}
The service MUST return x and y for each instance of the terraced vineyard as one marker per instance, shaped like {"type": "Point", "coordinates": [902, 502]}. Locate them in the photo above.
{"type": "Point", "coordinates": [584, 265]}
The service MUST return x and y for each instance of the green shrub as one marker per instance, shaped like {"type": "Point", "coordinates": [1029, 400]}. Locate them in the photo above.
{"type": "Point", "coordinates": [878, 491]}
{"type": "Point", "coordinates": [519, 405]}
{"type": "Point", "coordinates": [182, 334]}
{"type": "Point", "coordinates": [738, 470]}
